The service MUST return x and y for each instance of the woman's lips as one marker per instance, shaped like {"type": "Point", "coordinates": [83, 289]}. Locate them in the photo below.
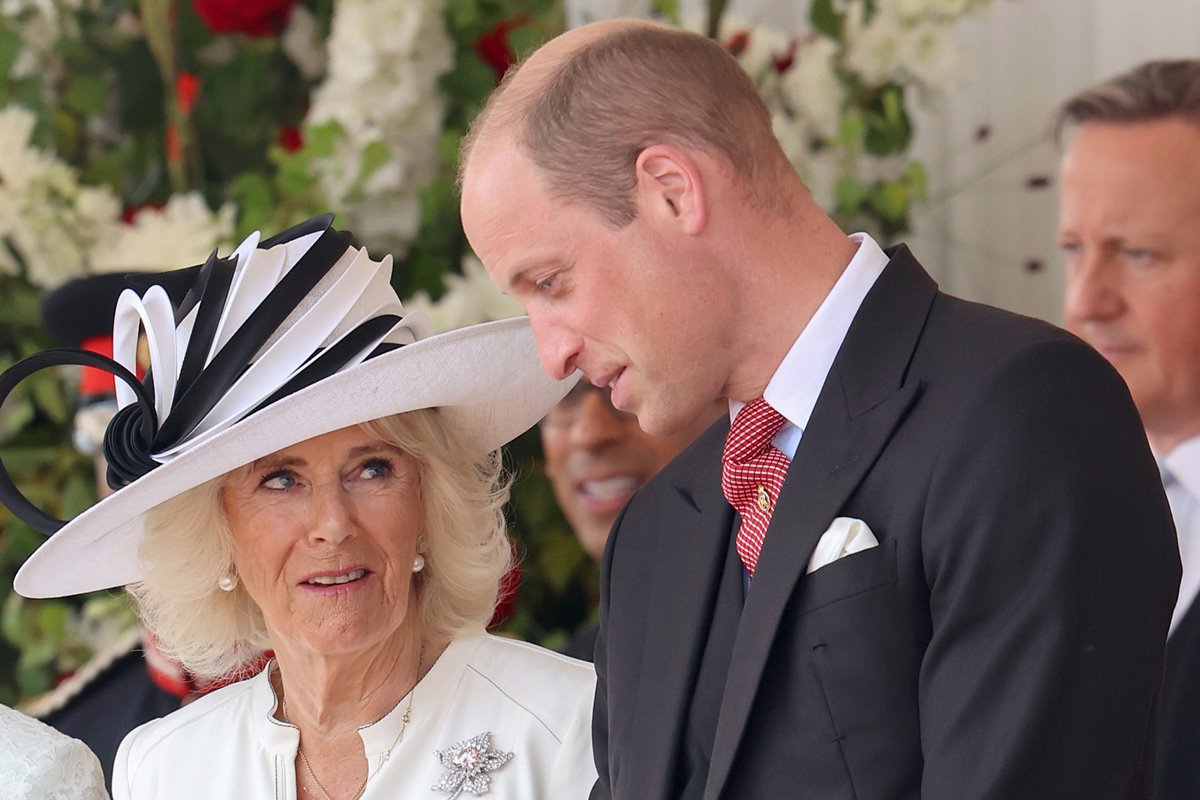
{"type": "Point", "coordinates": [335, 582]}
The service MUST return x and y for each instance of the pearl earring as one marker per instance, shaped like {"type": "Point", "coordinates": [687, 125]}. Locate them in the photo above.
{"type": "Point", "coordinates": [227, 582]}
{"type": "Point", "coordinates": [418, 563]}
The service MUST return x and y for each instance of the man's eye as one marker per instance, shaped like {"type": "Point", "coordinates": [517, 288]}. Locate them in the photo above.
{"type": "Point", "coordinates": [279, 480]}
{"type": "Point", "coordinates": [545, 284]}
{"type": "Point", "coordinates": [1138, 256]}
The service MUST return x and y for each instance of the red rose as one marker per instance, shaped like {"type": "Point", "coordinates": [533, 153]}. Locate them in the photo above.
{"type": "Point", "coordinates": [252, 17]}
{"type": "Point", "coordinates": [506, 602]}
{"type": "Point", "coordinates": [289, 138]}
{"type": "Point", "coordinates": [187, 86]}
{"type": "Point", "coordinates": [493, 48]}
{"type": "Point", "coordinates": [737, 43]}
{"type": "Point", "coordinates": [784, 61]}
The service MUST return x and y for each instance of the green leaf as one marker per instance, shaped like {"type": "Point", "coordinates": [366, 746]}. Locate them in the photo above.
{"type": "Point", "coordinates": [667, 10]}
{"type": "Point", "coordinates": [850, 195]}
{"type": "Point", "coordinates": [825, 19]}
{"type": "Point", "coordinates": [18, 413]}
{"type": "Point", "coordinates": [890, 200]}
{"type": "Point", "coordinates": [888, 128]}
{"type": "Point", "coordinates": [524, 39]}
{"type": "Point", "coordinates": [86, 94]}
{"type": "Point", "coordinates": [374, 156]}
{"type": "Point", "coordinates": [32, 679]}
{"type": "Point", "coordinates": [53, 618]}
{"type": "Point", "coordinates": [13, 620]}
{"type": "Point", "coordinates": [917, 180]}
{"type": "Point", "coordinates": [10, 48]}
{"type": "Point", "coordinates": [558, 559]}
{"type": "Point", "coordinates": [48, 394]}
{"type": "Point", "coordinates": [319, 140]}
{"type": "Point", "coordinates": [852, 131]}
{"type": "Point", "coordinates": [78, 495]}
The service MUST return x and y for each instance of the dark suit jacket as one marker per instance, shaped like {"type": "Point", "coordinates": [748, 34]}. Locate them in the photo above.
{"type": "Point", "coordinates": [1004, 640]}
{"type": "Point", "coordinates": [1177, 776]}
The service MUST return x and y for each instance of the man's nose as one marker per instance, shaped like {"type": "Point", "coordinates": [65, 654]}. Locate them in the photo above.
{"type": "Point", "coordinates": [1092, 291]}
{"type": "Point", "coordinates": [558, 347]}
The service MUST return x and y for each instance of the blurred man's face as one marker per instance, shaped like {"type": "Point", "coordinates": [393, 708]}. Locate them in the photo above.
{"type": "Point", "coordinates": [597, 457]}
{"type": "Point", "coordinates": [1129, 223]}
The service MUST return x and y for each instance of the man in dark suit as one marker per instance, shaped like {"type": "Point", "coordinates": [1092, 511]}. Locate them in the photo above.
{"type": "Point", "coordinates": [952, 566]}
{"type": "Point", "coordinates": [1128, 223]}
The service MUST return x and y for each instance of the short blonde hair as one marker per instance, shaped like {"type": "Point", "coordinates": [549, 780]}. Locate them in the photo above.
{"type": "Point", "coordinates": [612, 98]}
{"type": "Point", "coordinates": [188, 546]}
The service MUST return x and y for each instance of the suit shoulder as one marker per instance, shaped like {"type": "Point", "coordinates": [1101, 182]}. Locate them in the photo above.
{"type": "Point", "coordinates": [549, 686]}
{"type": "Point", "coordinates": [967, 339]}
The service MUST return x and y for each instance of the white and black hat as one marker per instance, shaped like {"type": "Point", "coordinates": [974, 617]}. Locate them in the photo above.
{"type": "Point", "coordinates": [286, 339]}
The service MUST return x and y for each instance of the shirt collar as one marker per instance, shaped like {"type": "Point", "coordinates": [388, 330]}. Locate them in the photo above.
{"type": "Point", "coordinates": [1184, 463]}
{"type": "Point", "coordinates": [797, 382]}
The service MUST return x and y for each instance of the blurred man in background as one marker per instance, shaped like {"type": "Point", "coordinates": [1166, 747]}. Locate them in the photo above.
{"type": "Point", "coordinates": [596, 458]}
{"type": "Point", "coordinates": [1129, 224]}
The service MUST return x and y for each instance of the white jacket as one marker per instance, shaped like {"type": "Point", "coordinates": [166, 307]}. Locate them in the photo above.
{"type": "Point", "coordinates": [536, 705]}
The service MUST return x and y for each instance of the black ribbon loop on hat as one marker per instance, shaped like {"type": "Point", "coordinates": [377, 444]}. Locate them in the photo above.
{"type": "Point", "coordinates": [335, 357]}
{"type": "Point", "coordinates": [210, 292]}
{"type": "Point", "coordinates": [141, 422]}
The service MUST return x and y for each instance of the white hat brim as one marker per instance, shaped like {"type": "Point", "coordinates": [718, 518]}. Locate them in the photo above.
{"type": "Point", "coordinates": [486, 379]}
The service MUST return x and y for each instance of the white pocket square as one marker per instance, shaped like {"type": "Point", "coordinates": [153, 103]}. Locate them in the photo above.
{"type": "Point", "coordinates": [846, 535]}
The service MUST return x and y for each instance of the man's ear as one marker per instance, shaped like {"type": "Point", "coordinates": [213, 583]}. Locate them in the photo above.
{"type": "Point", "coordinates": [669, 185]}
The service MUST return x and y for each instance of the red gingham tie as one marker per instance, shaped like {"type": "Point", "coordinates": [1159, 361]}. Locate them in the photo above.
{"type": "Point", "coordinates": [752, 474]}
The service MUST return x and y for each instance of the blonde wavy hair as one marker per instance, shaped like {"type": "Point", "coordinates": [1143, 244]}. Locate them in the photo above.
{"type": "Point", "coordinates": [188, 546]}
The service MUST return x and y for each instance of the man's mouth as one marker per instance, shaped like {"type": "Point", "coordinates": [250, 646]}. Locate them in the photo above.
{"type": "Point", "coordinates": [609, 488]}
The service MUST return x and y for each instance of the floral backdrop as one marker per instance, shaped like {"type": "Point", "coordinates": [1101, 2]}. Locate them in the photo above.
{"type": "Point", "coordinates": [139, 135]}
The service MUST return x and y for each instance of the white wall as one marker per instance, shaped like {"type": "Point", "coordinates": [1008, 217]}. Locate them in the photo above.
{"type": "Point", "coordinates": [984, 226]}
{"type": "Point", "coordinates": [1029, 55]}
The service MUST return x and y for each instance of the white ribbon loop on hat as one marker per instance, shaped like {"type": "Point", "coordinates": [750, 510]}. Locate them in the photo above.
{"type": "Point", "coordinates": [152, 312]}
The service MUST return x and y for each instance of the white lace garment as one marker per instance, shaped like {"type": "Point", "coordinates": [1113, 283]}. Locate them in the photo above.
{"type": "Point", "coordinates": [37, 761]}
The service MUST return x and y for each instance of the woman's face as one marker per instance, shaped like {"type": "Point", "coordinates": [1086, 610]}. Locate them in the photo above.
{"type": "Point", "coordinates": [325, 534]}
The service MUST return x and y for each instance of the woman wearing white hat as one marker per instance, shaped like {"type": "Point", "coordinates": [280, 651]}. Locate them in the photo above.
{"type": "Point", "coordinates": [303, 469]}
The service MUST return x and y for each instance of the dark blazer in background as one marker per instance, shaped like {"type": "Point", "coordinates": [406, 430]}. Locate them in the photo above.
{"type": "Point", "coordinates": [1003, 641]}
{"type": "Point", "coordinates": [1177, 776]}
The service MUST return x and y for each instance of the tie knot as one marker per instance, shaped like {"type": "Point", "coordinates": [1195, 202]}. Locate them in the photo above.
{"type": "Point", "coordinates": [752, 430]}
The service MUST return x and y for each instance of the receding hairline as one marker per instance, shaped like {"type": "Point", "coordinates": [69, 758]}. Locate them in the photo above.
{"type": "Point", "coordinates": [497, 125]}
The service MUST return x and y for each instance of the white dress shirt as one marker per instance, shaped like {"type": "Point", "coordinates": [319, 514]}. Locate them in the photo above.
{"type": "Point", "coordinates": [39, 763]}
{"type": "Point", "coordinates": [796, 384]}
{"type": "Point", "coordinates": [1182, 482]}
{"type": "Point", "coordinates": [536, 705]}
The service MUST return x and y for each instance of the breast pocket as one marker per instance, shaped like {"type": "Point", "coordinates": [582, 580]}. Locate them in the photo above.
{"type": "Point", "coordinates": [848, 577]}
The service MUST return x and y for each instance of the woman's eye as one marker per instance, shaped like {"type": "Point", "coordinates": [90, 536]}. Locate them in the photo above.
{"type": "Point", "coordinates": [376, 468]}
{"type": "Point", "coordinates": [545, 284]}
{"type": "Point", "coordinates": [279, 481]}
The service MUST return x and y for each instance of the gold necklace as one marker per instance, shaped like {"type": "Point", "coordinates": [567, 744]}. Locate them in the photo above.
{"type": "Point", "coordinates": [362, 787]}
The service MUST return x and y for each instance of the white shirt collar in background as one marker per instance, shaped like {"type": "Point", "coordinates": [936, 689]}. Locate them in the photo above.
{"type": "Point", "coordinates": [1184, 496]}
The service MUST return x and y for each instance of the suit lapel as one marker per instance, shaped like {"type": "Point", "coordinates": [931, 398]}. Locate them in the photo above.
{"type": "Point", "coordinates": [862, 401]}
{"type": "Point", "coordinates": [693, 535]}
